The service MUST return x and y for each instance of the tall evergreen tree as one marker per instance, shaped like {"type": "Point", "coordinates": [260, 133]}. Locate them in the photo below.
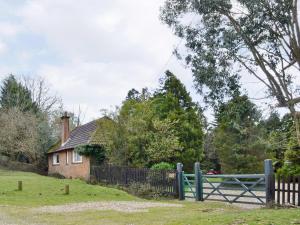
{"type": "Point", "coordinates": [15, 95]}
{"type": "Point", "coordinates": [173, 102]}
{"type": "Point", "coordinates": [162, 127]}
{"type": "Point", "coordinates": [239, 140]}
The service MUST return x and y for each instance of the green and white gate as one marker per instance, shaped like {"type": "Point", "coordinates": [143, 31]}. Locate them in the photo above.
{"type": "Point", "coordinates": [232, 188]}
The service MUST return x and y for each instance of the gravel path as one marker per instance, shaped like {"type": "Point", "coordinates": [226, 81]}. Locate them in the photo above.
{"type": "Point", "coordinates": [130, 207]}
{"type": "Point", "coordinates": [4, 220]}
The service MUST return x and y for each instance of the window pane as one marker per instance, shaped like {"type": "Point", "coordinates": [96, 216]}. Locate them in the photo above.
{"type": "Point", "coordinates": [77, 157]}
{"type": "Point", "coordinates": [56, 158]}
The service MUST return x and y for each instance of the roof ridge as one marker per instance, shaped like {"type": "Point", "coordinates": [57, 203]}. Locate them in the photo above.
{"type": "Point", "coordinates": [80, 126]}
{"type": "Point", "coordinates": [82, 134]}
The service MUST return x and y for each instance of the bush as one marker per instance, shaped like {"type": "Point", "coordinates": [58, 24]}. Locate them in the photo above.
{"type": "Point", "coordinates": [95, 152]}
{"type": "Point", "coordinates": [140, 189]}
{"type": "Point", "coordinates": [289, 170]}
{"type": "Point", "coordinates": [293, 155]}
{"type": "Point", "coordinates": [146, 191]}
{"type": "Point", "coordinates": [162, 166]}
{"type": "Point", "coordinates": [57, 175]}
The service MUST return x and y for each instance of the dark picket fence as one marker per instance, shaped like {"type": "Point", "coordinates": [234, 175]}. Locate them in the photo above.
{"type": "Point", "coordinates": [161, 181]}
{"type": "Point", "coordinates": [288, 190]}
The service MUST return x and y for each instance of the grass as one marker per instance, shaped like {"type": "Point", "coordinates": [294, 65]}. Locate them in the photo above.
{"type": "Point", "coordinates": [17, 207]}
{"type": "Point", "coordinates": [41, 190]}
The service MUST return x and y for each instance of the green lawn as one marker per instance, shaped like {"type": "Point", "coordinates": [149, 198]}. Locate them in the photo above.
{"type": "Point", "coordinates": [20, 207]}
{"type": "Point", "coordinates": [41, 190]}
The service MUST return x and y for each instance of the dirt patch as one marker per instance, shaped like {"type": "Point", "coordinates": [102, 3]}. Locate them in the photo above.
{"type": "Point", "coordinates": [129, 207]}
{"type": "Point", "coordinates": [239, 222]}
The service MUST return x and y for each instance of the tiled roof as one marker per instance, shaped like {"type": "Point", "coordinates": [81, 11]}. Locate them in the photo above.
{"type": "Point", "coordinates": [79, 136]}
{"type": "Point", "coordinates": [94, 133]}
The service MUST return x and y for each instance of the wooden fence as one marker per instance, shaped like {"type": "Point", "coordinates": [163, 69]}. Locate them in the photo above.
{"type": "Point", "coordinates": [288, 190]}
{"type": "Point", "coordinates": [162, 181]}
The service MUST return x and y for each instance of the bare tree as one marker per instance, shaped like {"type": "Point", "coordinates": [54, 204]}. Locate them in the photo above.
{"type": "Point", "coordinates": [19, 134]}
{"type": "Point", "coordinates": [41, 93]}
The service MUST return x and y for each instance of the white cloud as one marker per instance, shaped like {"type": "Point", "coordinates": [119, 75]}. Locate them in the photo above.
{"type": "Point", "coordinates": [92, 52]}
{"type": "Point", "coordinates": [3, 47]}
{"type": "Point", "coordinates": [100, 30]}
{"type": "Point", "coordinates": [9, 29]}
{"type": "Point", "coordinates": [96, 85]}
{"type": "Point", "coordinates": [105, 47]}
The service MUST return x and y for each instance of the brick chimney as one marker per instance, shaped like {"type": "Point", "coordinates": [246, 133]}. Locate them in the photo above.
{"type": "Point", "coordinates": [65, 127]}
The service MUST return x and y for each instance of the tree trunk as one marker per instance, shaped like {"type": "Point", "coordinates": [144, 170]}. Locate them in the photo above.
{"type": "Point", "coordinates": [296, 118]}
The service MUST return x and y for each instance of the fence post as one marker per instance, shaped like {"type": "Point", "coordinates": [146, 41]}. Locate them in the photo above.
{"type": "Point", "coordinates": [180, 181]}
{"type": "Point", "coordinates": [198, 182]}
{"type": "Point", "coordinates": [20, 185]}
{"type": "Point", "coordinates": [67, 189]}
{"type": "Point", "coordinates": [270, 183]}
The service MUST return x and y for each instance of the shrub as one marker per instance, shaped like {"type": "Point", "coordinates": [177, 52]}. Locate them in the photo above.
{"type": "Point", "coordinates": [293, 155]}
{"type": "Point", "coordinates": [57, 175]}
{"type": "Point", "coordinates": [96, 152]}
{"type": "Point", "coordinates": [162, 166]}
{"type": "Point", "coordinates": [146, 191]}
{"type": "Point", "coordinates": [289, 170]}
{"type": "Point", "coordinates": [140, 189]}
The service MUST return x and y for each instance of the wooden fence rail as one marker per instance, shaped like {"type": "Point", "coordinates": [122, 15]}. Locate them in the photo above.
{"type": "Point", "coordinates": [288, 190]}
{"type": "Point", "coordinates": [162, 181]}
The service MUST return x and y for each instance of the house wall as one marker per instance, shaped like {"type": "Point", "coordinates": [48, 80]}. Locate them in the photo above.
{"type": "Point", "coordinates": [70, 170]}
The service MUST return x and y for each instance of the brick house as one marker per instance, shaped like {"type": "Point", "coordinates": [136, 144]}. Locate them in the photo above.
{"type": "Point", "coordinates": [62, 159]}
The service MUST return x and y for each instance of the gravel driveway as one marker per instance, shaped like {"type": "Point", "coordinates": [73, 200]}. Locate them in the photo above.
{"type": "Point", "coordinates": [126, 206]}
{"type": "Point", "coordinates": [5, 220]}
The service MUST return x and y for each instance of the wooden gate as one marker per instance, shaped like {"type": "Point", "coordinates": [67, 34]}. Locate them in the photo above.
{"type": "Point", "coordinates": [233, 188]}
{"type": "Point", "coordinates": [246, 188]}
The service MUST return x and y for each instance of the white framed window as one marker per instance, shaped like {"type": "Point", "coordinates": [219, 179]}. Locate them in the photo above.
{"type": "Point", "coordinates": [76, 157]}
{"type": "Point", "coordinates": [67, 157]}
{"type": "Point", "coordinates": [55, 159]}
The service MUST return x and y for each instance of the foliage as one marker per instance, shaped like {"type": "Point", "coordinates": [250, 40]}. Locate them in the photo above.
{"type": "Point", "coordinates": [281, 138]}
{"type": "Point", "coordinates": [293, 156]}
{"type": "Point", "coordinates": [148, 139]}
{"type": "Point", "coordinates": [289, 170]}
{"type": "Point", "coordinates": [163, 166]}
{"type": "Point", "coordinates": [173, 102]}
{"type": "Point", "coordinates": [96, 152]}
{"type": "Point", "coordinates": [238, 139]}
{"type": "Point", "coordinates": [14, 94]}
{"type": "Point", "coordinates": [146, 191]}
{"type": "Point", "coordinates": [57, 176]}
{"type": "Point", "coordinates": [29, 109]}
{"type": "Point", "coordinates": [151, 128]}
{"type": "Point", "coordinates": [278, 133]}
{"type": "Point", "coordinates": [211, 158]}
{"type": "Point", "coordinates": [227, 37]}
{"type": "Point", "coordinates": [141, 190]}
{"type": "Point", "coordinates": [163, 142]}
{"type": "Point", "coordinates": [19, 135]}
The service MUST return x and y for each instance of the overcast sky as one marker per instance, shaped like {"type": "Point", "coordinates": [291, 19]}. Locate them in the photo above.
{"type": "Point", "coordinates": [91, 52]}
